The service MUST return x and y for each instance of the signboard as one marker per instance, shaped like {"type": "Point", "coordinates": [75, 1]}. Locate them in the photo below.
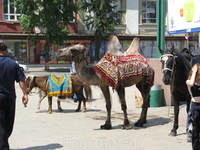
{"type": "Point", "coordinates": [183, 16]}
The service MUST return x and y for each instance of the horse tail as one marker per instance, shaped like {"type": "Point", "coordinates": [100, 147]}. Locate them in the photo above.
{"type": "Point", "coordinates": [88, 92]}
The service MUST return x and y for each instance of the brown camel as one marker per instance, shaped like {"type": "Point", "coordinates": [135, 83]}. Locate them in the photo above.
{"type": "Point", "coordinates": [117, 69]}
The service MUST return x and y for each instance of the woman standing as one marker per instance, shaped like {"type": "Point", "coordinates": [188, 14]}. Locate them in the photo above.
{"type": "Point", "coordinates": [193, 84]}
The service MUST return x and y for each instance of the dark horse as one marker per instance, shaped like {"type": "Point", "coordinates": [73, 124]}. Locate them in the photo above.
{"type": "Point", "coordinates": [77, 87]}
{"type": "Point", "coordinates": [175, 68]}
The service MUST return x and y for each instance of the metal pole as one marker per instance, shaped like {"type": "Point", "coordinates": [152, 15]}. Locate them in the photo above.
{"type": "Point", "coordinates": [160, 17]}
{"type": "Point", "coordinates": [158, 27]}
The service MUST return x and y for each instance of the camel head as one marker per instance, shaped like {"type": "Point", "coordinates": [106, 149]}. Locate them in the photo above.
{"type": "Point", "coordinates": [63, 54]}
{"type": "Point", "coordinates": [71, 52]}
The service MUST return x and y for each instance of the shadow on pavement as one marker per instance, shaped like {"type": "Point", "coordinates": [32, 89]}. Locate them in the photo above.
{"type": "Point", "coordinates": [45, 147]}
{"type": "Point", "coordinates": [150, 123]}
{"type": "Point", "coordinates": [68, 111]}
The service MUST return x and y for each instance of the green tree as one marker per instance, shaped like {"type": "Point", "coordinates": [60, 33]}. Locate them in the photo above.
{"type": "Point", "coordinates": [103, 21]}
{"type": "Point", "coordinates": [52, 16]}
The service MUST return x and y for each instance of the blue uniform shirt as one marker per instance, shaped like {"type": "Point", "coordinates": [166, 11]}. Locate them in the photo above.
{"type": "Point", "coordinates": [9, 73]}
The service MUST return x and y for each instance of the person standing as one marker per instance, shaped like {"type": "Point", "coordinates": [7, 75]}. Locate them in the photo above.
{"type": "Point", "coordinates": [73, 72]}
{"type": "Point", "coordinates": [9, 73]}
{"type": "Point", "coordinates": [193, 84]}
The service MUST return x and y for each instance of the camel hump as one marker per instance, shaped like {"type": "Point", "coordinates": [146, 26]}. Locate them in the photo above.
{"type": "Point", "coordinates": [134, 47]}
{"type": "Point", "coordinates": [114, 46]}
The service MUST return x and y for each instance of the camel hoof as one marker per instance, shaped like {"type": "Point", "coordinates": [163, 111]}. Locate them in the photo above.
{"type": "Point", "coordinates": [77, 110]}
{"type": "Point", "coordinates": [106, 126]}
{"type": "Point", "coordinates": [139, 124]}
{"type": "Point", "coordinates": [60, 109]}
{"type": "Point", "coordinates": [172, 133]}
{"type": "Point", "coordinates": [49, 112]}
{"type": "Point", "coordinates": [127, 127]}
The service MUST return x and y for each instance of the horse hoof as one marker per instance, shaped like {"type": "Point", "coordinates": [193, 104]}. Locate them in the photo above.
{"type": "Point", "coordinates": [83, 109]}
{"type": "Point", "coordinates": [139, 124]}
{"type": "Point", "coordinates": [49, 112]}
{"type": "Point", "coordinates": [172, 133]}
{"type": "Point", "coordinates": [106, 126]}
{"type": "Point", "coordinates": [127, 127]}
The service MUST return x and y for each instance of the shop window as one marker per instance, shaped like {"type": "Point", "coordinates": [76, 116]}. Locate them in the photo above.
{"type": "Point", "coordinates": [17, 50]}
{"type": "Point", "coordinates": [9, 11]}
{"type": "Point", "coordinates": [149, 12]}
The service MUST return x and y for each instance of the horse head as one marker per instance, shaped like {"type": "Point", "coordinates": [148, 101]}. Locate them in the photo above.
{"type": "Point", "coordinates": [29, 83]}
{"type": "Point", "coordinates": [168, 64]}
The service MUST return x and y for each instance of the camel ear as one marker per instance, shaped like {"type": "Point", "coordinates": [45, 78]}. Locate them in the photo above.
{"type": "Point", "coordinates": [161, 51]}
{"type": "Point", "coordinates": [85, 49]}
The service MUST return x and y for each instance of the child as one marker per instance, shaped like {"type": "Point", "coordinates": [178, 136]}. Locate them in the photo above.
{"type": "Point", "coordinates": [193, 84]}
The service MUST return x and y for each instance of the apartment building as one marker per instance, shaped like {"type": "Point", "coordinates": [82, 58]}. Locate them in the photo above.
{"type": "Point", "coordinates": [138, 20]}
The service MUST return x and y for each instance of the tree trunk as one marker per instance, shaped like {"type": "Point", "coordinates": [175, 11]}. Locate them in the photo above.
{"type": "Point", "coordinates": [97, 48]}
{"type": "Point", "coordinates": [46, 48]}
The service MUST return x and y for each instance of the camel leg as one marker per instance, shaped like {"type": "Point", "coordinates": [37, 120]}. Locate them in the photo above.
{"type": "Point", "coordinates": [121, 94]}
{"type": "Point", "coordinates": [106, 93]}
{"type": "Point", "coordinates": [145, 91]}
{"type": "Point", "coordinates": [176, 98]}
{"type": "Point", "coordinates": [50, 105]}
{"type": "Point", "coordinates": [59, 105]}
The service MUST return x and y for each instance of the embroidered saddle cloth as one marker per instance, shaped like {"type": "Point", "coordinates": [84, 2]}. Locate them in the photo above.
{"type": "Point", "coordinates": [59, 86]}
{"type": "Point", "coordinates": [115, 68]}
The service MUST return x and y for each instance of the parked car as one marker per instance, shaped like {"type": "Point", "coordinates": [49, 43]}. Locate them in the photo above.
{"type": "Point", "coordinates": [23, 67]}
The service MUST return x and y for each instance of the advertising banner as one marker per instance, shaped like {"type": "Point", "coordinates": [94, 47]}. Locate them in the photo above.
{"type": "Point", "coordinates": [183, 16]}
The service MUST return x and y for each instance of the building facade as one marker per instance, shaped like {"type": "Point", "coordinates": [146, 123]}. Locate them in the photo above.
{"type": "Point", "coordinates": [138, 20]}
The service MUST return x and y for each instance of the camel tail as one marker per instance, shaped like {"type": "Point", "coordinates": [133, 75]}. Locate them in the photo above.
{"type": "Point", "coordinates": [88, 92]}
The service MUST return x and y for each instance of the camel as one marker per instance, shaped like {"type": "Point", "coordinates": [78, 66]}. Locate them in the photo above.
{"type": "Point", "coordinates": [118, 69]}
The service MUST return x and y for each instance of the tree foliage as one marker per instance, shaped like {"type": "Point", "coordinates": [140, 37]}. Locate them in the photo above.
{"type": "Point", "coordinates": [52, 16]}
{"type": "Point", "coordinates": [103, 21]}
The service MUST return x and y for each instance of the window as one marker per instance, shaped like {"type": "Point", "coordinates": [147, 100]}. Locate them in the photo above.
{"type": "Point", "coordinates": [119, 8]}
{"type": "Point", "coordinates": [9, 11]}
{"type": "Point", "coordinates": [148, 12]}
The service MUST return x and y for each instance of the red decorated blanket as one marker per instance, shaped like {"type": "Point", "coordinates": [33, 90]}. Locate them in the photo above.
{"type": "Point", "coordinates": [114, 68]}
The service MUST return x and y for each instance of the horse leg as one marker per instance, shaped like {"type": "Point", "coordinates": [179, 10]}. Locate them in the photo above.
{"type": "Point", "coordinates": [84, 105]}
{"type": "Point", "coordinates": [176, 98]}
{"type": "Point", "coordinates": [145, 92]}
{"type": "Point", "coordinates": [50, 105]}
{"type": "Point", "coordinates": [106, 93]}
{"type": "Point", "coordinates": [121, 93]}
{"type": "Point", "coordinates": [79, 105]}
{"type": "Point", "coordinates": [59, 105]}
{"type": "Point", "coordinates": [42, 95]}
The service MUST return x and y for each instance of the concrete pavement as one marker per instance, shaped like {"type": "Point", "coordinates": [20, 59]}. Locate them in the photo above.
{"type": "Point", "coordinates": [36, 130]}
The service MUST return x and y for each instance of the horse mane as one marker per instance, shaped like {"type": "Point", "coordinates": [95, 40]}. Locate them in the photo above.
{"type": "Point", "coordinates": [134, 47]}
{"type": "Point", "coordinates": [114, 46]}
{"type": "Point", "coordinates": [183, 61]}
